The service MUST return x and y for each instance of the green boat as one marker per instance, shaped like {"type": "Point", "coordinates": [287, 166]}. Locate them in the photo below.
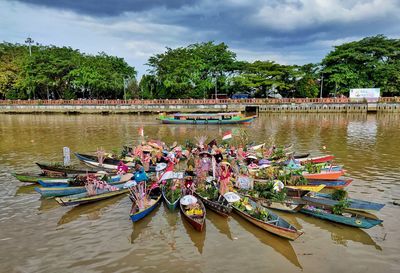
{"type": "Point", "coordinates": [34, 178]}
{"type": "Point", "coordinates": [206, 118]}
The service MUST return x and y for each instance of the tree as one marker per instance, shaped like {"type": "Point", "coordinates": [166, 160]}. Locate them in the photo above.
{"type": "Point", "coordinates": [370, 62]}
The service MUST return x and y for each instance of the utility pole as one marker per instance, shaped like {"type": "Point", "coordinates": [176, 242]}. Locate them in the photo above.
{"type": "Point", "coordinates": [322, 84]}
{"type": "Point", "coordinates": [29, 41]}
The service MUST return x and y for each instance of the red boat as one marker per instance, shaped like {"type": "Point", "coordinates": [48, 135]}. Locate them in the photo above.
{"type": "Point", "coordinates": [197, 221]}
{"type": "Point", "coordinates": [324, 175]}
{"type": "Point", "coordinates": [318, 159]}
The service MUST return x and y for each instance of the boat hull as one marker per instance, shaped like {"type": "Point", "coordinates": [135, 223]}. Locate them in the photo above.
{"type": "Point", "coordinates": [331, 184]}
{"type": "Point", "coordinates": [170, 206]}
{"type": "Point", "coordinates": [199, 223]}
{"type": "Point", "coordinates": [325, 175]}
{"type": "Point", "coordinates": [217, 207]}
{"type": "Point", "coordinates": [207, 122]}
{"type": "Point", "coordinates": [84, 198]}
{"type": "Point", "coordinates": [282, 232]}
{"type": "Point", "coordinates": [318, 159]}
{"type": "Point", "coordinates": [28, 178]}
{"type": "Point", "coordinates": [141, 214]}
{"type": "Point", "coordinates": [359, 222]}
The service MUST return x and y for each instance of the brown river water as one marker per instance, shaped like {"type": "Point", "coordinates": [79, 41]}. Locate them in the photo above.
{"type": "Point", "coordinates": [40, 236]}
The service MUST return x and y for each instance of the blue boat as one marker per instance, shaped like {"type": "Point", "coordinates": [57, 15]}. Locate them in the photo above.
{"type": "Point", "coordinates": [136, 216]}
{"type": "Point", "coordinates": [350, 218]}
{"type": "Point", "coordinates": [66, 182]}
{"type": "Point", "coordinates": [355, 204]}
{"type": "Point", "coordinates": [331, 184]}
{"type": "Point", "coordinates": [48, 192]}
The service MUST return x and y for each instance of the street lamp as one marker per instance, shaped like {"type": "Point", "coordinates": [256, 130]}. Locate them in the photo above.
{"type": "Point", "coordinates": [29, 41]}
{"type": "Point", "coordinates": [322, 83]}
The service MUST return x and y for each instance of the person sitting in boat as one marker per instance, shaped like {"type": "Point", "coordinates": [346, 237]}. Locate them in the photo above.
{"type": "Point", "coordinates": [140, 175]}
{"type": "Point", "coordinates": [189, 185]}
{"type": "Point", "coordinates": [122, 168]}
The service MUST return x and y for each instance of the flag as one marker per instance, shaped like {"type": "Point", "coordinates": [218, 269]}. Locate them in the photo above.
{"type": "Point", "coordinates": [141, 131]}
{"type": "Point", "coordinates": [227, 135]}
{"type": "Point", "coordinates": [168, 174]}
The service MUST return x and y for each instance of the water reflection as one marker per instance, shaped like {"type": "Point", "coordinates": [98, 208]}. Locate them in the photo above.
{"type": "Point", "coordinates": [221, 223]}
{"type": "Point", "coordinates": [141, 226]}
{"type": "Point", "coordinates": [280, 245]}
{"type": "Point", "coordinates": [48, 204]}
{"type": "Point", "coordinates": [93, 211]}
{"type": "Point", "coordinates": [197, 238]}
{"type": "Point", "coordinates": [341, 234]}
{"type": "Point", "coordinates": [26, 189]}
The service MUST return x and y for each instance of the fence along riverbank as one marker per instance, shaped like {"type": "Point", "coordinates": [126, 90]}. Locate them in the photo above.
{"type": "Point", "coordinates": [301, 105]}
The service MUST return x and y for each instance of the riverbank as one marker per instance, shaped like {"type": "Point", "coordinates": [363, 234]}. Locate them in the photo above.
{"type": "Point", "coordinates": [300, 105]}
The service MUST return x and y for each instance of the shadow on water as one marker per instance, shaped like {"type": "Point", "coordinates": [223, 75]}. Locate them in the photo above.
{"type": "Point", "coordinates": [221, 223]}
{"type": "Point", "coordinates": [139, 226]}
{"type": "Point", "coordinates": [341, 234]}
{"type": "Point", "coordinates": [280, 245]}
{"type": "Point", "coordinates": [92, 210]}
{"type": "Point", "coordinates": [48, 204]}
{"type": "Point", "coordinates": [26, 189]}
{"type": "Point", "coordinates": [194, 235]}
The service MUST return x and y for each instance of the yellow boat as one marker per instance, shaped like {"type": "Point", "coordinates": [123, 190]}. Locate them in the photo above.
{"type": "Point", "coordinates": [316, 188]}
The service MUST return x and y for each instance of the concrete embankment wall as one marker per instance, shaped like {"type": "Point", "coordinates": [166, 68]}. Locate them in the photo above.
{"type": "Point", "coordinates": [158, 106]}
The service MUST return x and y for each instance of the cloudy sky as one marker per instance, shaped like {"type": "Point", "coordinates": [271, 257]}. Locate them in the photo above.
{"type": "Point", "coordinates": [285, 31]}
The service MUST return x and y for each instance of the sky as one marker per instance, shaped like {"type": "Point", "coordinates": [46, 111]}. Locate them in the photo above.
{"type": "Point", "coordinates": [284, 31]}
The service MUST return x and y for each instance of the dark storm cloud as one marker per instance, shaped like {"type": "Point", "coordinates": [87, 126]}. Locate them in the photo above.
{"type": "Point", "coordinates": [108, 8]}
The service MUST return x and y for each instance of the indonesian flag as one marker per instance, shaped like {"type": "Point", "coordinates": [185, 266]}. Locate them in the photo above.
{"type": "Point", "coordinates": [227, 135]}
{"type": "Point", "coordinates": [168, 174]}
{"type": "Point", "coordinates": [141, 131]}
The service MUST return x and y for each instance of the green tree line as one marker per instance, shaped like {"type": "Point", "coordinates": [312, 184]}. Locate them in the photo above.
{"type": "Point", "coordinates": [196, 71]}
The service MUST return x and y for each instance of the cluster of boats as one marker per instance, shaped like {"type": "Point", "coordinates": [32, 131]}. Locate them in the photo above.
{"type": "Point", "coordinates": [250, 180]}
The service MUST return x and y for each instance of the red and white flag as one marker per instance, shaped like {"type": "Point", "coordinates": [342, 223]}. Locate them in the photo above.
{"type": "Point", "coordinates": [227, 135]}
{"type": "Point", "coordinates": [168, 174]}
{"type": "Point", "coordinates": [141, 131]}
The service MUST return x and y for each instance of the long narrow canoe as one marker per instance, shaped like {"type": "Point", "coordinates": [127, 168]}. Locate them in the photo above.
{"type": "Point", "coordinates": [324, 175]}
{"type": "Point", "coordinates": [331, 184]}
{"type": "Point", "coordinates": [92, 161]}
{"type": "Point", "coordinates": [34, 178]}
{"type": "Point", "coordinates": [277, 225]}
{"type": "Point", "coordinates": [355, 204]}
{"type": "Point", "coordinates": [48, 192]}
{"type": "Point", "coordinates": [318, 159]}
{"type": "Point", "coordinates": [197, 222]}
{"type": "Point", "coordinates": [137, 215]}
{"type": "Point", "coordinates": [68, 182]}
{"type": "Point", "coordinates": [289, 205]}
{"type": "Point", "coordinates": [63, 170]}
{"type": "Point", "coordinates": [171, 205]}
{"type": "Point", "coordinates": [207, 118]}
{"type": "Point", "coordinates": [314, 188]}
{"type": "Point", "coordinates": [355, 219]}
{"type": "Point", "coordinates": [218, 207]}
{"type": "Point", "coordinates": [83, 198]}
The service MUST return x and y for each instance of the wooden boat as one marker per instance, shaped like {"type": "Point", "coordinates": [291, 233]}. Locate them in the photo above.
{"type": "Point", "coordinates": [69, 182]}
{"type": "Point", "coordinates": [289, 205]}
{"type": "Point", "coordinates": [54, 182]}
{"type": "Point", "coordinates": [206, 118]}
{"type": "Point", "coordinates": [350, 218]}
{"type": "Point", "coordinates": [220, 207]}
{"type": "Point", "coordinates": [92, 161]}
{"type": "Point", "coordinates": [355, 204]}
{"type": "Point", "coordinates": [171, 205]}
{"type": "Point", "coordinates": [155, 199]}
{"type": "Point", "coordinates": [314, 188]}
{"type": "Point", "coordinates": [197, 221]}
{"type": "Point", "coordinates": [323, 175]}
{"type": "Point", "coordinates": [48, 168]}
{"type": "Point", "coordinates": [276, 225]}
{"type": "Point", "coordinates": [318, 159]}
{"type": "Point", "coordinates": [303, 155]}
{"type": "Point", "coordinates": [34, 178]}
{"type": "Point", "coordinates": [331, 184]}
{"type": "Point", "coordinates": [48, 192]}
{"type": "Point", "coordinates": [83, 198]}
